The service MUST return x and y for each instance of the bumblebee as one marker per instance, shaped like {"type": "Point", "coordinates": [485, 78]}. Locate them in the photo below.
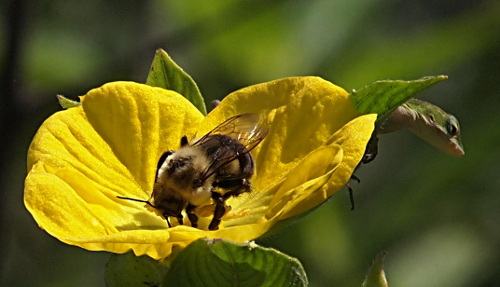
{"type": "Point", "coordinates": [207, 171]}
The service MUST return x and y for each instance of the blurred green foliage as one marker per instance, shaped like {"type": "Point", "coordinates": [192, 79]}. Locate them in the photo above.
{"type": "Point", "coordinates": [435, 215]}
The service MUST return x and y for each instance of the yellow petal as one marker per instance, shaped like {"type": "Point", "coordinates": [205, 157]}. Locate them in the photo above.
{"type": "Point", "coordinates": [82, 158]}
{"type": "Point", "coordinates": [351, 140]}
{"type": "Point", "coordinates": [149, 120]}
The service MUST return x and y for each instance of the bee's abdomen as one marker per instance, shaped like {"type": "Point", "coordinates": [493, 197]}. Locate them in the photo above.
{"type": "Point", "coordinates": [246, 165]}
{"type": "Point", "coordinates": [223, 148]}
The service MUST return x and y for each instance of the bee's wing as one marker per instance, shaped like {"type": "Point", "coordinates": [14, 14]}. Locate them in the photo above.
{"type": "Point", "coordinates": [245, 128]}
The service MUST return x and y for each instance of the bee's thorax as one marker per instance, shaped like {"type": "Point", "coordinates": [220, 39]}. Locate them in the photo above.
{"type": "Point", "coordinates": [180, 176]}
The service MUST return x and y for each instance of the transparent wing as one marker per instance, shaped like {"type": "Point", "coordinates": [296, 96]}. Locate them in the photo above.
{"type": "Point", "coordinates": [219, 143]}
{"type": "Point", "coordinates": [245, 128]}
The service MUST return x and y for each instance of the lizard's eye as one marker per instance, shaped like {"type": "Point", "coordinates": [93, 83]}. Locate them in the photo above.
{"type": "Point", "coordinates": [452, 126]}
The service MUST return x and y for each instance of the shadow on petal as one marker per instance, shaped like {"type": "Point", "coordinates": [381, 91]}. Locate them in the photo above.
{"type": "Point", "coordinates": [306, 178]}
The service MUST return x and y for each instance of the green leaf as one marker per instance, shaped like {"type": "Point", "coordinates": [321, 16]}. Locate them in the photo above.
{"type": "Point", "coordinates": [222, 263]}
{"type": "Point", "coordinates": [67, 103]}
{"type": "Point", "coordinates": [376, 275]}
{"type": "Point", "coordinates": [129, 270]}
{"type": "Point", "coordinates": [382, 97]}
{"type": "Point", "coordinates": [165, 73]}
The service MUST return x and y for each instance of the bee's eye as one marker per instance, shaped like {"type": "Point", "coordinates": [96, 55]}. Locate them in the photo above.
{"type": "Point", "coordinates": [452, 126]}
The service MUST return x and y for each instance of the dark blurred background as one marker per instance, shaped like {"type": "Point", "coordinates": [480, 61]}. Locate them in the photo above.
{"type": "Point", "coordinates": [437, 216]}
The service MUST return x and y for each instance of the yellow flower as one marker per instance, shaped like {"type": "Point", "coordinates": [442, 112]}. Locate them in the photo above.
{"type": "Point", "coordinates": [82, 158]}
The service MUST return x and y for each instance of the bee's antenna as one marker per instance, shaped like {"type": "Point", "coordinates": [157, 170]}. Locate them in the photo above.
{"type": "Point", "coordinates": [138, 200]}
{"type": "Point", "coordinates": [150, 204]}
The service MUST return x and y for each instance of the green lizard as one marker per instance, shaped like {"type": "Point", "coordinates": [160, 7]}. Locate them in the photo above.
{"type": "Point", "coordinates": [425, 120]}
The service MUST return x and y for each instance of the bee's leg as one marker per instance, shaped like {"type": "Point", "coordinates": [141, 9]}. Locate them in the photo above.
{"type": "Point", "coordinates": [166, 216]}
{"type": "Point", "coordinates": [220, 209]}
{"type": "Point", "coordinates": [371, 150]}
{"type": "Point", "coordinates": [234, 187]}
{"type": "Point", "coordinates": [355, 177]}
{"type": "Point", "coordinates": [351, 191]}
{"type": "Point", "coordinates": [191, 215]}
{"type": "Point", "coordinates": [351, 195]}
{"type": "Point", "coordinates": [179, 219]}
